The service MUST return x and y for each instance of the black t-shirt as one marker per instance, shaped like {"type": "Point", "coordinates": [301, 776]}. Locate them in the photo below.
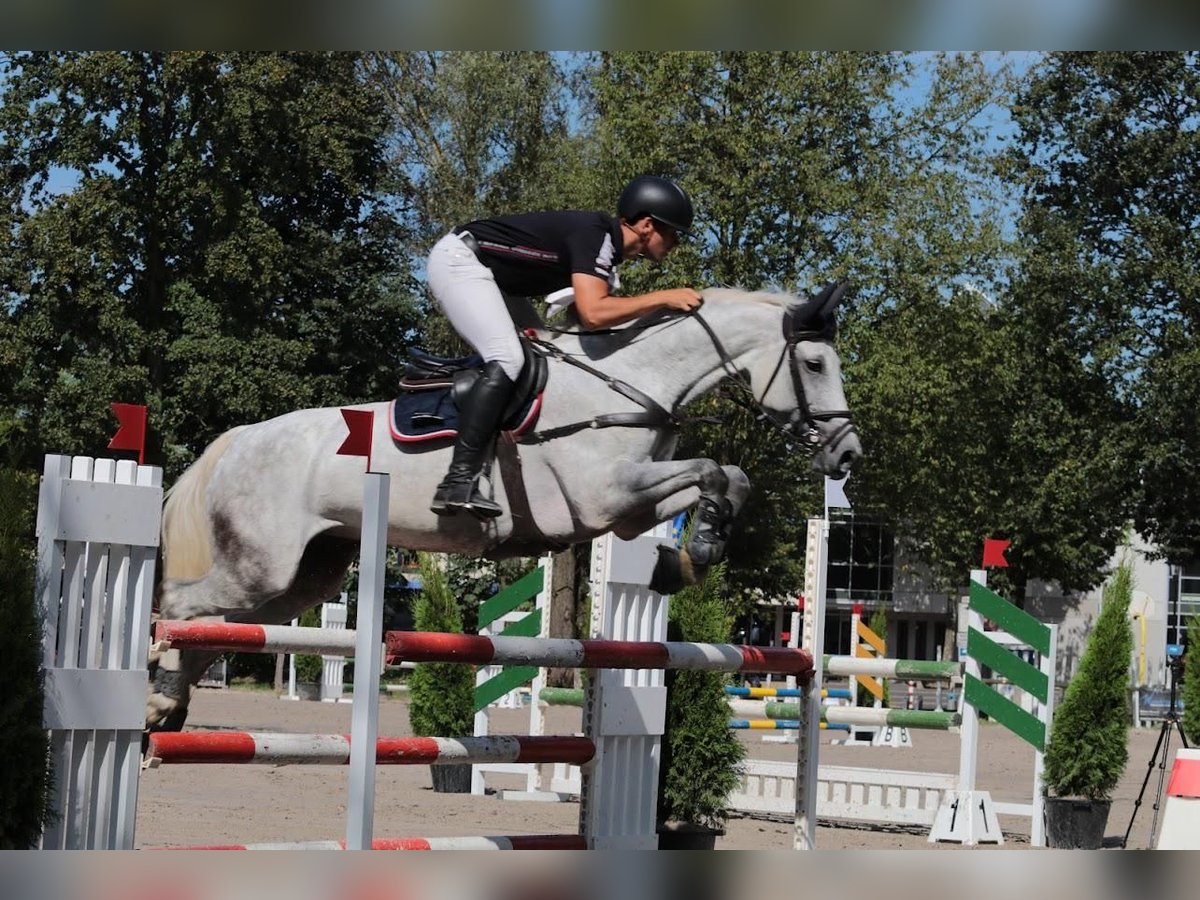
{"type": "Point", "coordinates": [532, 254]}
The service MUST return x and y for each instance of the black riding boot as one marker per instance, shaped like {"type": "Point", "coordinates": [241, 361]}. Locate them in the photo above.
{"type": "Point", "coordinates": [478, 421]}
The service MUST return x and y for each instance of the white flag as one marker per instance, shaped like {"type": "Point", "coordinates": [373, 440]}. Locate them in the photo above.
{"type": "Point", "coordinates": [835, 494]}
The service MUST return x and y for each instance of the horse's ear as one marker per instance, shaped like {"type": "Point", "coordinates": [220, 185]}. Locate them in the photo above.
{"type": "Point", "coordinates": [817, 308]}
{"type": "Point", "coordinates": [831, 297]}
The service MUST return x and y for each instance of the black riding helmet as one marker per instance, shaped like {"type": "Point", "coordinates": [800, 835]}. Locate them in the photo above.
{"type": "Point", "coordinates": [660, 199]}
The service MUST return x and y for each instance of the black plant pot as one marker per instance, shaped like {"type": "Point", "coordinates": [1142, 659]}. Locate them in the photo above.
{"type": "Point", "coordinates": [308, 690]}
{"type": "Point", "coordinates": [1075, 824]}
{"type": "Point", "coordinates": [454, 779]}
{"type": "Point", "coordinates": [687, 836]}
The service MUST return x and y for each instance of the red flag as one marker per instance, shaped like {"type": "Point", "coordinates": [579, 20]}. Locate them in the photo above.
{"type": "Point", "coordinates": [131, 429]}
{"type": "Point", "coordinates": [361, 425]}
{"type": "Point", "coordinates": [993, 553]}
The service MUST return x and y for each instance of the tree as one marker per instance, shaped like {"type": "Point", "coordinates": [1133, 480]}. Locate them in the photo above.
{"type": "Point", "coordinates": [472, 134]}
{"type": "Point", "coordinates": [1109, 145]}
{"type": "Point", "coordinates": [806, 167]}
{"type": "Point", "coordinates": [930, 386]}
{"type": "Point", "coordinates": [200, 232]}
{"type": "Point", "coordinates": [981, 426]}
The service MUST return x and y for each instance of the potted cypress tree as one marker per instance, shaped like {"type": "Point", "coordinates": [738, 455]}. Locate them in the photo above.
{"type": "Point", "coordinates": [1088, 746]}
{"type": "Point", "coordinates": [441, 695]}
{"type": "Point", "coordinates": [700, 754]}
{"type": "Point", "coordinates": [26, 778]}
{"type": "Point", "coordinates": [1190, 720]}
{"type": "Point", "coordinates": [309, 666]}
{"type": "Point", "coordinates": [878, 623]}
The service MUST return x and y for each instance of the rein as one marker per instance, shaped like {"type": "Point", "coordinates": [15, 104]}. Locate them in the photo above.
{"type": "Point", "coordinates": [654, 415]}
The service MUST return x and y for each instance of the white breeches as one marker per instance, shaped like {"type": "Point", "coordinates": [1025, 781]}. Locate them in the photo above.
{"type": "Point", "coordinates": [467, 292]}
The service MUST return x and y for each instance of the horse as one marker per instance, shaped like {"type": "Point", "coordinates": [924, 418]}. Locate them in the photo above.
{"type": "Point", "coordinates": [266, 522]}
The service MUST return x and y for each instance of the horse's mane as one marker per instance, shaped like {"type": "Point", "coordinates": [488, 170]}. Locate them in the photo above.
{"type": "Point", "coordinates": [624, 334]}
{"type": "Point", "coordinates": [737, 295]}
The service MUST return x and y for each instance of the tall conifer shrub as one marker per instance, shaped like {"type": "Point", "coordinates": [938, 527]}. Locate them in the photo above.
{"type": "Point", "coordinates": [700, 753]}
{"type": "Point", "coordinates": [24, 777]}
{"type": "Point", "coordinates": [1088, 746]}
{"type": "Point", "coordinates": [1191, 684]}
{"type": "Point", "coordinates": [441, 695]}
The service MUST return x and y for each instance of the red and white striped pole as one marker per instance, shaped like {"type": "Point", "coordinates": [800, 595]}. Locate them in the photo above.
{"type": "Point", "coordinates": [420, 646]}
{"type": "Point", "coordinates": [512, 842]}
{"type": "Point", "coordinates": [193, 747]}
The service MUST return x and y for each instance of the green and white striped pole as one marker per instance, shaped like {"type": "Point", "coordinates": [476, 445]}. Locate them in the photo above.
{"type": "Point", "coordinates": [902, 669]}
{"type": "Point", "coordinates": [870, 715]}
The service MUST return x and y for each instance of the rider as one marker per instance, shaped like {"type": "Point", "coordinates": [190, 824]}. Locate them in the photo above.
{"type": "Point", "coordinates": [473, 267]}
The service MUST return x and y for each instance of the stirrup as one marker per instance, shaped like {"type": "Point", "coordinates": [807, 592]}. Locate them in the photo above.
{"type": "Point", "coordinates": [464, 496]}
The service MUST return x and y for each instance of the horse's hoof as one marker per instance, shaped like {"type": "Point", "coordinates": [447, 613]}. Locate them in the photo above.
{"type": "Point", "coordinates": [672, 571]}
{"type": "Point", "coordinates": [706, 552]}
{"type": "Point", "coordinates": [163, 714]}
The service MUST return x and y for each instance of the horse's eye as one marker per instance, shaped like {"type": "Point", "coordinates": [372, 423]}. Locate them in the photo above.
{"type": "Point", "coordinates": [814, 365]}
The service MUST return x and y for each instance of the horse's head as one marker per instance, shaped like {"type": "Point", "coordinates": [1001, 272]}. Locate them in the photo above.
{"type": "Point", "coordinates": [802, 388]}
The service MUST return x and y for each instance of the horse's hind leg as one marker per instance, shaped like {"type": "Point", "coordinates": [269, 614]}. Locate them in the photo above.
{"type": "Point", "coordinates": [318, 576]}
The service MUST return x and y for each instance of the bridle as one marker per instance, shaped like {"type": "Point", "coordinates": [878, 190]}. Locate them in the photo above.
{"type": "Point", "coordinates": [802, 424]}
{"type": "Point", "coordinates": [805, 417]}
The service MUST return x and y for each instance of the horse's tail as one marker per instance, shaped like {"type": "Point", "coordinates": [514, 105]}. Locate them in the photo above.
{"type": "Point", "coordinates": [186, 552]}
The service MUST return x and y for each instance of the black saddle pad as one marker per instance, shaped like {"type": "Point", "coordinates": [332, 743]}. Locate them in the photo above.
{"type": "Point", "coordinates": [427, 408]}
{"type": "Point", "coordinates": [432, 415]}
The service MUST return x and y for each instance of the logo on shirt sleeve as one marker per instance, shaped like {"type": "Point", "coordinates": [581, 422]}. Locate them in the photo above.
{"type": "Point", "coordinates": [604, 259]}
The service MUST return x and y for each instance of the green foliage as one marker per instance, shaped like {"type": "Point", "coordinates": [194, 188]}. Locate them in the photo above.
{"type": "Point", "coordinates": [473, 134]}
{"type": "Point", "coordinates": [1168, 507]}
{"type": "Point", "coordinates": [1088, 746]}
{"type": "Point", "coordinates": [700, 753]}
{"type": "Point", "coordinates": [24, 779]}
{"type": "Point", "coordinates": [200, 232]}
{"type": "Point", "coordinates": [1191, 684]}
{"type": "Point", "coordinates": [309, 667]}
{"type": "Point", "coordinates": [474, 580]}
{"type": "Point", "coordinates": [807, 167]}
{"type": "Point", "coordinates": [1107, 150]}
{"type": "Point", "coordinates": [441, 695]}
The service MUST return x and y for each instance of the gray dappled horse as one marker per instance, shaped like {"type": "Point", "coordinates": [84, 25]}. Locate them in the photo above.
{"type": "Point", "coordinates": [266, 522]}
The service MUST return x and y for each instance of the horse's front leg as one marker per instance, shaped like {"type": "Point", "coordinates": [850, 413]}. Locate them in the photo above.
{"type": "Point", "coordinates": [661, 490]}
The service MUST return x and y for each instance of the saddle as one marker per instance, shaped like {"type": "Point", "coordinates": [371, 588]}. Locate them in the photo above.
{"type": "Point", "coordinates": [426, 408]}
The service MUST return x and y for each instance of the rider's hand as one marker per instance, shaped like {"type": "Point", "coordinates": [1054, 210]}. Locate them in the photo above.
{"type": "Point", "coordinates": [682, 299]}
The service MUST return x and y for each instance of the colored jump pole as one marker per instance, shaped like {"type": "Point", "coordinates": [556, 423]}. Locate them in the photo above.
{"type": "Point", "coordinates": [755, 693]}
{"type": "Point", "coordinates": [560, 696]}
{"type": "Point", "coordinates": [512, 842]}
{"type": "Point", "coordinates": [917, 669]}
{"type": "Point", "coordinates": [271, 748]}
{"type": "Point", "coordinates": [779, 725]}
{"type": "Point", "coordinates": [867, 715]}
{"type": "Point", "coordinates": [420, 646]}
